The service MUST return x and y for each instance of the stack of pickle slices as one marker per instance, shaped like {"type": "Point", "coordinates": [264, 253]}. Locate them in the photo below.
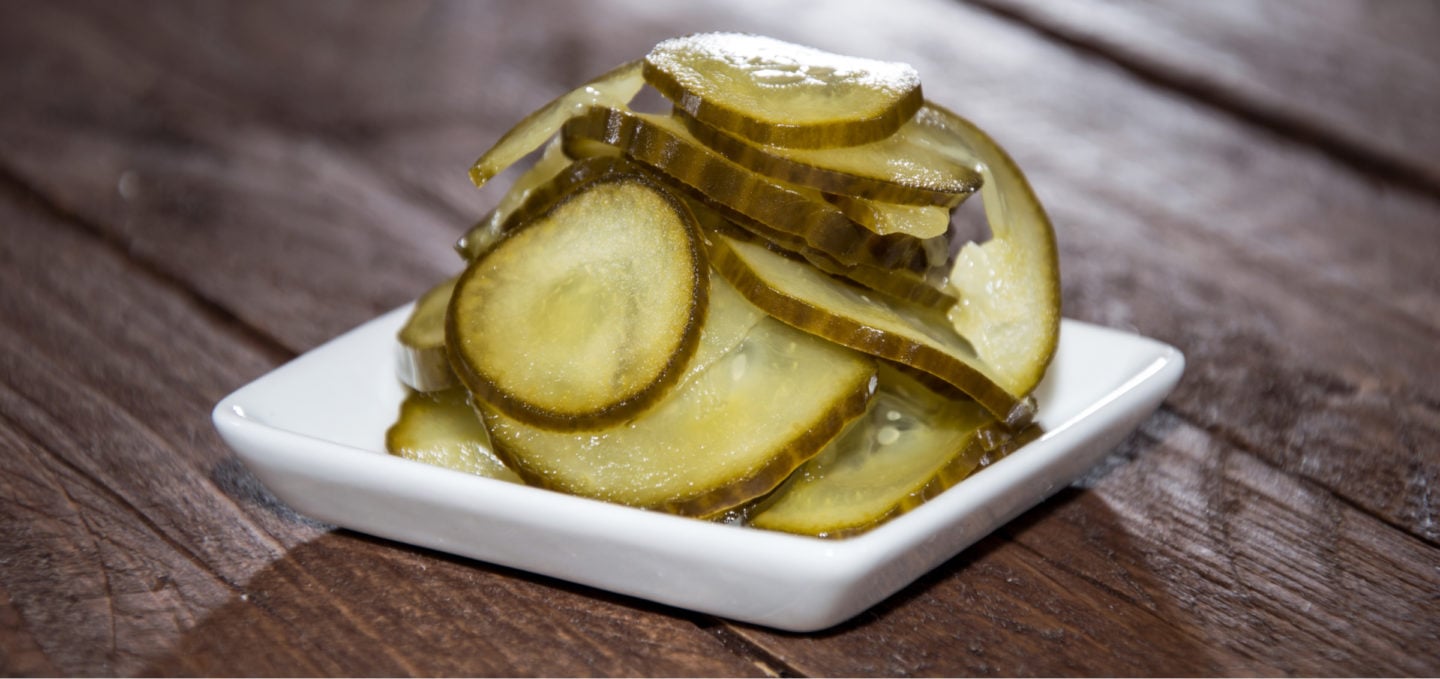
{"type": "Point", "coordinates": [745, 309]}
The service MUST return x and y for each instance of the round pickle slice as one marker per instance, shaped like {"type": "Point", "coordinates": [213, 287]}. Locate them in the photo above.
{"type": "Point", "coordinates": [724, 437]}
{"type": "Point", "coordinates": [589, 307]}
{"type": "Point", "coordinates": [420, 360]}
{"type": "Point", "coordinates": [773, 92]}
{"type": "Point", "coordinates": [442, 429]}
{"type": "Point", "coordinates": [909, 446]}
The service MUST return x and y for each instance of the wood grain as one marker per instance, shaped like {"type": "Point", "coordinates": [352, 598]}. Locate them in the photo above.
{"type": "Point", "coordinates": [191, 195]}
{"type": "Point", "coordinates": [1263, 575]}
{"type": "Point", "coordinates": [1348, 76]}
{"type": "Point", "coordinates": [20, 655]}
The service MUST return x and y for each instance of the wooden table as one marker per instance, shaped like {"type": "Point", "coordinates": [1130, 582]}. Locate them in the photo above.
{"type": "Point", "coordinates": [193, 193]}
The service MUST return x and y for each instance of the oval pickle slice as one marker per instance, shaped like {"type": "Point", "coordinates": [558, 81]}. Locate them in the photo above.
{"type": "Point", "coordinates": [899, 284]}
{"type": "Point", "coordinates": [909, 334]}
{"type": "Point", "coordinates": [443, 429]}
{"type": "Point", "coordinates": [909, 446]}
{"type": "Point", "coordinates": [726, 436]}
{"type": "Point", "coordinates": [774, 92]}
{"type": "Point", "coordinates": [586, 311]}
{"type": "Point", "coordinates": [905, 167]}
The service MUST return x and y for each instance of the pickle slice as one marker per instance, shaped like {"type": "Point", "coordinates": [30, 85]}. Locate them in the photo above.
{"type": "Point", "coordinates": [774, 92]}
{"type": "Point", "coordinates": [420, 359]}
{"type": "Point", "coordinates": [910, 445]}
{"type": "Point", "coordinates": [441, 428]}
{"type": "Point", "coordinates": [909, 334]}
{"type": "Point", "coordinates": [907, 167]}
{"type": "Point", "coordinates": [486, 232]}
{"type": "Point", "coordinates": [555, 160]}
{"type": "Point", "coordinates": [727, 436]}
{"type": "Point", "coordinates": [729, 317]}
{"type": "Point", "coordinates": [616, 87]}
{"type": "Point", "coordinates": [902, 285]}
{"type": "Point", "coordinates": [589, 307]}
{"type": "Point", "coordinates": [1009, 286]}
{"type": "Point", "coordinates": [919, 221]}
{"type": "Point", "coordinates": [663, 143]}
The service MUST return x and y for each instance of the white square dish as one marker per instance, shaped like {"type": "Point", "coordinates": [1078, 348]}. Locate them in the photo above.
{"type": "Point", "coordinates": [313, 431]}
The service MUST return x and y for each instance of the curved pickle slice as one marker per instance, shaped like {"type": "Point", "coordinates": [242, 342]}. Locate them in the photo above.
{"type": "Point", "coordinates": [616, 88]}
{"type": "Point", "coordinates": [907, 167]}
{"type": "Point", "coordinates": [1009, 286]}
{"type": "Point", "coordinates": [420, 360]}
{"type": "Point", "coordinates": [662, 143]}
{"type": "Point", "coordinates": [555, 160]}
{"type": "Point", "coordinates": [488, 230]}
{"type": "Point", "coordinates": [774, 92]}
{"type": "Point", "coordinates": [730, 434]}
{"type": "Point", "coordinates": [905, 333]}
{"type": "Point", "coordinates": [902, 285]}
{"type": "Point", "coordinates": [910, 445]}
{"type": "Point", "coordinates": [919, 221]}
{"type": "Point", "coordinates": [442, 429]}
{"type": "Point", "coordinates": [590, 306]}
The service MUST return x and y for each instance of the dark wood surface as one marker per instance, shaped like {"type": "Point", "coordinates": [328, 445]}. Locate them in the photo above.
{"type": "Point", "coordinates": [193, 193]}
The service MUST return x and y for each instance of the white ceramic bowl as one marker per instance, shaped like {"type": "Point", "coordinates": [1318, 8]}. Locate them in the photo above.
{"type": "Point", "coordinates": [313, 431]}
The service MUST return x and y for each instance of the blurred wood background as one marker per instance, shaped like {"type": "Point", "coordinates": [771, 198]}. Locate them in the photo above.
{"type": "Point", "coordinates": [193, 193]}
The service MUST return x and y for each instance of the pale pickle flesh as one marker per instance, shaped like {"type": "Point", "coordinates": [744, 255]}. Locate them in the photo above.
{"type": "Point", "coordinates": [488, 230]}
{"type": "Point", "coordinates": [919, 221]}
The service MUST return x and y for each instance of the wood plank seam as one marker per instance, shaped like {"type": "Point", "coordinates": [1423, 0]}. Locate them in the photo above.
{"type": "Point", "coordinates": [1057, 585]}
{"type": "Point", "coordinates": [1125, 455]}
{"type": "Point", "coordinates": [736, 642]}
{"type": "Point", "coordinates": [1344, 151]}
{"type": "Point", "coordinates": [1232, 440]}
{"type": "Point", "coordinates": [1261, 259]}
{"type": "Point", "coordinates": [23, 192]}
{"type": "Point", "coordinates": [1246, 547]}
